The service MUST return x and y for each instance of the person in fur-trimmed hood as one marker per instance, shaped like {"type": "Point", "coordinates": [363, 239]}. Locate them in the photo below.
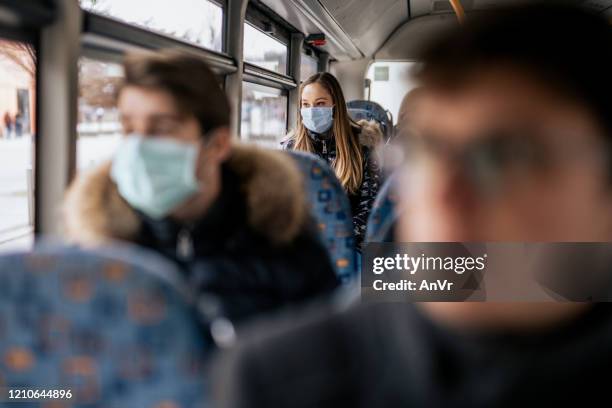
{"type": "Point", "coordinates": [233, 217]}
{"type": "Point", "coordinates": [325, 128]}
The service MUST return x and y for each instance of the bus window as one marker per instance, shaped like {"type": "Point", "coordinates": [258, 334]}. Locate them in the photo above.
{"type": "Point", "coordinates": [308, 67]}
{"type": "Point", "coordinates": [17, 125]}
{"type": "Point", "coordinates": [98, 127]}
{"type": "Point", "coordinates": [264, 51]}
{"type": "Point", "coordinates": [264, 114]}
{"type": "Point", "coordinates": [196, 21]}
{"type": "Point", "coordinates": [389, 82]}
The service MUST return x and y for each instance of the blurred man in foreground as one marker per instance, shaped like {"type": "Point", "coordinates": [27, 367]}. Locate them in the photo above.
{"type": "Point", "coordinates": [512, 143]}
{"type": "Point", "coordinates": [231, 216]}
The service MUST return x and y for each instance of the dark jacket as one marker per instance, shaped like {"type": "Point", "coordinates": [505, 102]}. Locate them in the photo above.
{"type": "Point", "coordinates": [390, 355]}
{"type": "Point", "coordinates": [252, 252]}
{"type": "Point", "coordinates": [369, 135]}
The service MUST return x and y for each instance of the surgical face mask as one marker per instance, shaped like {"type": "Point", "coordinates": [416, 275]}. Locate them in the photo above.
{"type": "Point", "coordinates": [318, 119]}
{"type": "Point", "coordinates": [155, 175]}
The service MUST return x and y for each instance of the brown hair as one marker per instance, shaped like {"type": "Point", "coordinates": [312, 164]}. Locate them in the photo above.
{"type": "Point", "coordinates": [187, 78]}
{"type": "Point", "coordinates": [348, 165]}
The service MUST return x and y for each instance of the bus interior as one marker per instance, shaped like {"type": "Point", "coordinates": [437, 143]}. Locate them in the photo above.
{"type": "Point", "coordinates": [61, 67]}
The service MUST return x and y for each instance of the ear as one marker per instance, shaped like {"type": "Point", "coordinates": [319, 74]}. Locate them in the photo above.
{"type": "Point", "coordinates": [220, 144]}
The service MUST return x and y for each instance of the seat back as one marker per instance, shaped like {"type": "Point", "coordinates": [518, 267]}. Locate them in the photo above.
{"type": "Point", "coordinates": [331, 209]}
{"type": "Point", "coordinates": [108, 325]}
{"type": "Point", "coordinates": [370, 110]}
{"type": "Point", "coordinates": [381, 222]}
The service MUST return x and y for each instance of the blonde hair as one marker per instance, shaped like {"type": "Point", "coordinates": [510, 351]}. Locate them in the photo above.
{"type": "Point", "coordinates": [348, 165]}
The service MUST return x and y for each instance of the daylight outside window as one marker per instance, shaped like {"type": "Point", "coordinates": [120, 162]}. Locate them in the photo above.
{"type": "Point", "coordinates": [98, 127]}
{"type": "Point", "coordinates": [264, 115]}
{"type": "Point", "coordinates": [17, 138]}
{"type": "Point", "coordinates": [196, 21]}
{"type": "Point", "coordinates": [389, 82]}
{"type": "Point", "coordinates": [264, 51]}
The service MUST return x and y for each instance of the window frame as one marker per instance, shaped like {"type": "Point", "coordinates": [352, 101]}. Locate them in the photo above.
{"type": "Point", "coordinates": [258, 75]}
{"type": "Point", "coordinates": [106, 35]}
{"type": "Point", "coordinates": [259, 18]}
{"type": "Point", "coordinates": [284, 93]}
{"type": "Point", "coordinates": [108, 39]}
{"type": "Point", "coordinates": [124, 37]}
{"type": "Point", "coordinates": [287, 45]}
{"type": "Point", "coordinates": [258, 15]}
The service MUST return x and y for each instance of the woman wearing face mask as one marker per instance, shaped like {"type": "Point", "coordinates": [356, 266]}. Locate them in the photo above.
{"type": "Point", "coordinates": [325, 129]}
{"type": "Point", "coordinates": [232, 217]}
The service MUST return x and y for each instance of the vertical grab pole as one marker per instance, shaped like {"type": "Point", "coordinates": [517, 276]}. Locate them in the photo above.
{"type": "Point", "coordinates": [295, 71]}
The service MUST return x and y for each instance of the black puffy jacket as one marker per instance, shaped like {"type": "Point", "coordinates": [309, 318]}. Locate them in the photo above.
{"type": "Point", "coordinates": [369, 135]}
{"type": "Point", "coordinates": [254, 251]}
{"type": "Point", "coordinates": [392, 355]}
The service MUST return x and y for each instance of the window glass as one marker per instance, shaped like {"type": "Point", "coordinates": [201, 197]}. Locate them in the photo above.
{"type": "Point", "coordinates": [17, 135]}
{"type": "Point", "coordinates": [308, 67]}
{"type": "Point", "coordinates": [98, 126]}
{"type": "Point", "coordinates": [264, 114]}
{"type": "Point", "coordinates": [196, 21]}
{"type": "Point", "coordinates": [390, 81]}
{"type": "Point", "coordinates": [263, 50]}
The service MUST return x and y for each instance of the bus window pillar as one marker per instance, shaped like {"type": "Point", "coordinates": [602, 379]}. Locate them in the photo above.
{"type": "Point", "coordinates": [234, 33]}
{"type": "Point", "coordinates": [57, 113]}
{"type": "Point", "coordinates": [295, 63]}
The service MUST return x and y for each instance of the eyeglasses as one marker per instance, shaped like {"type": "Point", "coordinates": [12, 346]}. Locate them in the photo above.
{"type": "Point", "coordinates": [491, 161]}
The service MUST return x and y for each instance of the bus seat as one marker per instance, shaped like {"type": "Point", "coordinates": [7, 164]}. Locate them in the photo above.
{"type": "Point", "coordinates": [370, 110]}
{"type": "Point", "coordinates": [332, 211]}
{"type": "Point", "coordinates": [109, 326]}
{"type": "Point", "coordinates": [382, 219]}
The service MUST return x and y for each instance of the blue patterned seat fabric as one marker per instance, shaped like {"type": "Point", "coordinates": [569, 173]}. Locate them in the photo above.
{"type": "Point", "coordinates": [108, 325]}
{"type": "Point", "coordinates": [381, 222]}
{"type": "Point", "coordinates": [370, 110]}
{"type": "Point", "coordinates": [332, 211]}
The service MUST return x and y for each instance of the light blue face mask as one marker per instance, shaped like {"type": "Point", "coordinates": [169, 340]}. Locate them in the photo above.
{"type": "Point", "coordinates": [318, 119]}
{"type": "Point", "coordinates": [155, 174]}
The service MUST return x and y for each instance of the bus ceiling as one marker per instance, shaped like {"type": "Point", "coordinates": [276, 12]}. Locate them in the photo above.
{"type": "Point", "coordinates": [387, 29]}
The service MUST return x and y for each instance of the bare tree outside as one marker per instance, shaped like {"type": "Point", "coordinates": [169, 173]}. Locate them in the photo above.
{"type": "Point", "coordinates": [22, 54]}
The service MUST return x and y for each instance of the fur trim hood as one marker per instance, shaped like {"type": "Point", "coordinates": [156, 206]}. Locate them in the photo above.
{"type": "Point", "coordinates": [370, 136]}
{"type": "Point", "coordinates": [94, 213]}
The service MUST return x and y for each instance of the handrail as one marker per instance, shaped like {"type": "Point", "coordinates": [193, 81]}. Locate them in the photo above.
{"type": "Point", "coordinates": [459, 11]}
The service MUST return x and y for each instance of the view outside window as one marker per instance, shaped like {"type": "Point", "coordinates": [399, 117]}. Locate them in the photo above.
{"type": "Point", "coordinates": [17, 135]}
{"type": "Point", "coordinates": [264, 115]}
{"type": "Point", "coordinates": [196, 21]}
{"type": "Point", "coordinates": [308, 67]}
{"type": "Point", "coordinates": [390, 81]}
{"type": "Point", "coordinates": [264, 51]}
{"type": "Point", "coordinates": [98, 127]}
